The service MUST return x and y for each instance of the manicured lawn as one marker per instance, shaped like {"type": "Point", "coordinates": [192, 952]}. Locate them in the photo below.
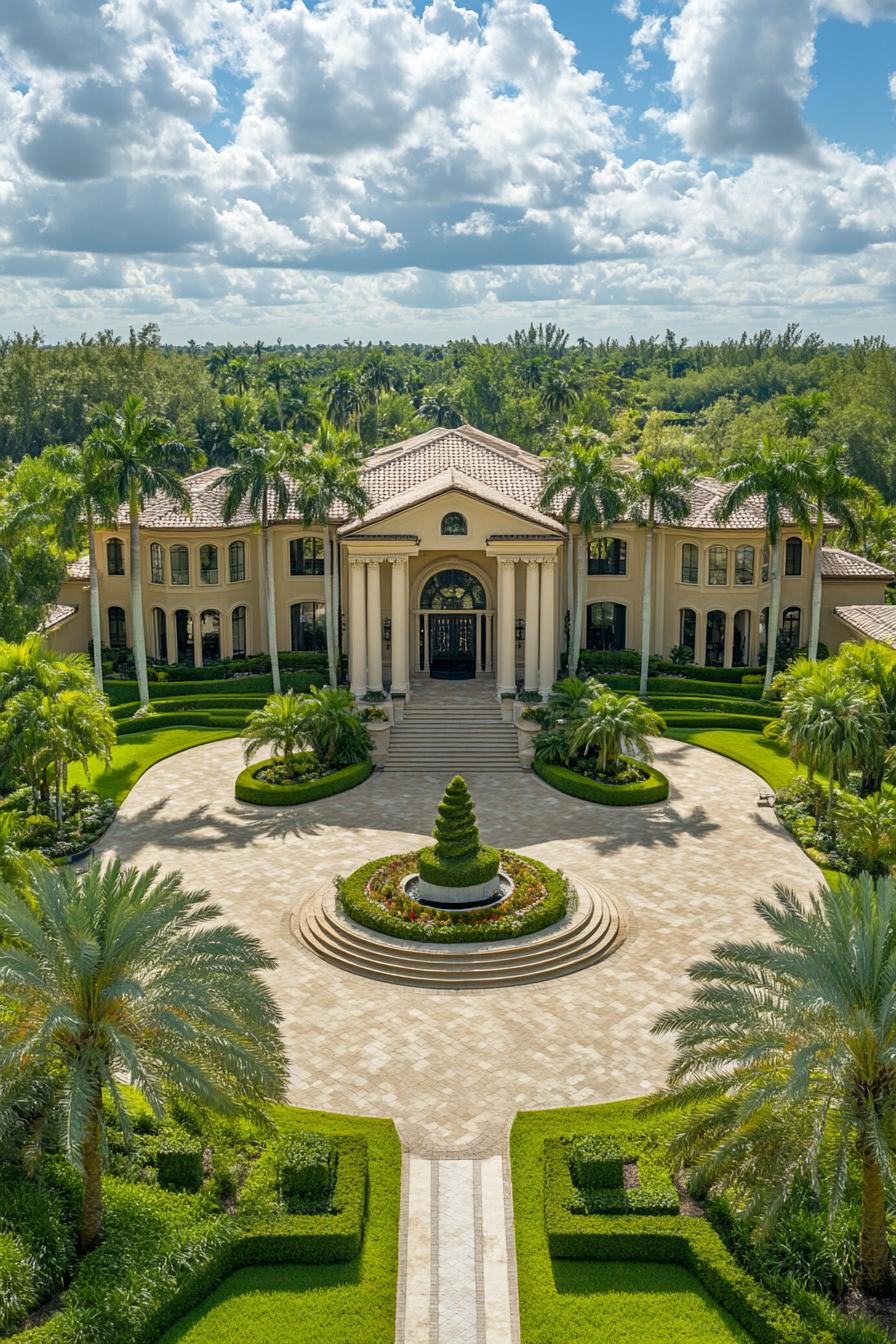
{"type": "Point", "coordinates": [768, 759]}
{"type": "Point", "coordinates": [582, 1302]}
{"type": "Point", "coordinates": [136, 753]}
{"type": "Point", "coordinates": [352, 1303]}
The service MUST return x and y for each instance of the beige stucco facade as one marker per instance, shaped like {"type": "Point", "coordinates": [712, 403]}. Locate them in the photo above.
{"type": "Point", "coordinates": [203, 596]}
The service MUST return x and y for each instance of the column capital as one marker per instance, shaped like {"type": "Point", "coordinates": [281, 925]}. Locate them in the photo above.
{"type": "Point", "coordinates": [399, 561]}
{"type": "Point", "coordinates": [357, 562]}
{"type": "Point", "coordinates": [532, 560]}
{"type": "Point", "coordinates": [374, 562]}
{"type": "Point", "coordinates": [549, 561]}
{"type": "Point", "coordinates": [507, 561]}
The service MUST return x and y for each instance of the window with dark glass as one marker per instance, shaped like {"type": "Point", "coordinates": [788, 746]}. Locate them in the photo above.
{"type": "Point", "coordinates": [210, 636]}
{"type": "Point", "coordinates": [740, 645]}
{"type": "Point", "coordinates": [156, 563]}
{"type": "Point", "coordinates": [238, 630]}
{"type": "Point", "coordinates": [687, 629]}
{"type": "Point", "coordinates": [690, 563]}
{"type": "Point", "coordinates": [452, 590]}
{"type": "Point", "coordinates": [114, 556]}
{"type": "Point", "coordinates": [183, 635]}
{"type": "Point", "coordinates": [179, 558]}
{"type": "Point", "coordinates": [118, 630]}
{"type": "Point", "coordinates": [715, 639]}
{"type": "Point", "coordinates": [790, 627]}
{"type": "Point", "coordinates": [236, 561]}
{"type": "Point", "coordinates": [160, 621]}
{"type": "Point", "coordinates": [208, 564]}
{"type": "Point", "coordinates": [308, 627]}
{"type": "Point", "coordinates": [607, 555]}
{"type": "Point", "coordinates": [306, 556]}
{"type": "Point", "coordinates": [744, 564]}
{"type": "Point", "coordinates": [717, 566]}
{"type": "Point", "coordinates": [606, 625]}
{"type": "Point", "coordinates": [765, 564]}
{"type": "Point", "coordinates": [793, 557]}
{"type": "Point", "coordinates": [454, 525]}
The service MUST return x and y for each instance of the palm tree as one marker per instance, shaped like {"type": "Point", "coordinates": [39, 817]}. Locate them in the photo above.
{"type": "Point", "coordinates": [834, 491]}
{"type": "Point", "coordinates": [142, 458]}
{"type": "Point", "coordinates": [800, 415]}
{"type": "Point", "coordinates": [328, 477]}
{"type": "Point", "coordinates": [260, 481]}
{"type": "Point", "coordinates": [874, 664]}
{"type": "Point", "coordinates": [583, 480]}
{"type": "Point", "coordinates": [343, 398]}
{"type": "Point", "coordinates": [276, 372]}
{"type": "Point", "coordinates": [611, 724]}
{"type": "Point", "coordinates": [120, 976]}
{"type": "Point", "coordinates": [332, 728]}
{"type": "Point", "coordinates": [661, 494]}
{"type": "Point", "coordinates": [784, 1058]}
{"type": "Point", "coordinates": [868, 828]}
{"type": "Point", "coordinates": [780, 475]}
{"type": "Point", "coordinates": [560, 391]}
{"type": "Point", "coordinates": [238, 373]}
{"type": "Point", "coordinates": [440, 406]}
{"type": "Point", "coordinates": [32, 663]}
{"type": "Point", "coordinates": [280, 725]}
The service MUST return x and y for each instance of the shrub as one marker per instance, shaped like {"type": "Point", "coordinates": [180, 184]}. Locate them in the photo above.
{"type": "Point", "coordinates": [304, 1170]}
{"type": "Point", "coordinates": [457, 859]}
{"type": "Point", "coordinates": [653, 789]}
{"type": "Point", "coordinates": [17, 1292]}
{"type": "Point", "coordinates": [659, 666]}
{"type": "Point", "coordinates": [609, 660]}
{"type": "Point", "coordinates": [249, 789]}
{"type": "Point", "coordinates": [223, 719]}
{"type": "Point", "coordinates": [179, 1163]}
{"type": "Point", "coordinates": [37, 1240]}
{"type": "Point", "coordinates": [125, 692]}
{"type": "Point", "coordinates": [750, 723]}
{"type": "Point", "coordinates": [596, 1162]}
{"type": "Point", "coordinates": [467, 873]}
{"type": "Point", "coordinates": [272, 1235]}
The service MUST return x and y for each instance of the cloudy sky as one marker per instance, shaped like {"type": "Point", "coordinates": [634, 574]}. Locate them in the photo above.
{"type": "Point", "coordinates": [242, 169]}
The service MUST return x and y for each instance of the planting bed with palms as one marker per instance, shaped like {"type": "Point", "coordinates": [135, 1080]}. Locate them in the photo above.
{"type": "Point", "coordinates": [321, 742]}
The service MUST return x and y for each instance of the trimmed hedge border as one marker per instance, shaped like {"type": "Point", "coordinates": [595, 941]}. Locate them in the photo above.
{"type": "Point", "coordinates": [199, 718]}
{"type": "Point", "coordinates": [483, 866]}
{"type": "Point", "coordinates": [682, 718]}
{"type": "Point", "coordinates": [605, 1197]}
{"type": "Point", "coordinates": [665, 1238]}
{"type": "Point", "coordinates": [125, 692]}
{"type": "Point", "coordinates": [353, 901]}
{"type": "Point", "coordinates": [248, 789]}
{"type": "Point", "coordinates": [651, 790]}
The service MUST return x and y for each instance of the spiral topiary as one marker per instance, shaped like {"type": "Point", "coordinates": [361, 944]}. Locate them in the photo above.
{"type": "Point", "coordinates": [457, 859]}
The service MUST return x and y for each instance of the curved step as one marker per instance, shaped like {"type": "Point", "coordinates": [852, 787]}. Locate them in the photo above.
{"type": "Point", "coordinates": [587, 935]}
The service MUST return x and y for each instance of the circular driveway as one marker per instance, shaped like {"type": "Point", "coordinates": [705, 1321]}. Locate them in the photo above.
{"type": "Point", "coordinates": [452, 1068]}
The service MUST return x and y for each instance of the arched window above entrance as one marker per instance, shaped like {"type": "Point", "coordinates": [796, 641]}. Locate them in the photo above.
{"type": "Point", "coordinates": [454, 525]}
{"type": "Point", "coordinates": [452, 590]}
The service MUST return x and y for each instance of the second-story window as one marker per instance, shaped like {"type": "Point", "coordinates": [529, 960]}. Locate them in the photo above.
{"type": "Point", "coordinates": [690, 563]}
{"type": "Point", "coordinates": [744, 564]}
{"type": "Point", "coordinates": [236, 561]}
{"type": "Point", "coordinates": [114, 556]}
{"type": "Point", "coordinates": [156, 563]}
{"type": "Point", "coordinates": [607, 555]}
{"type": "Point", "coordinates": [793, 557]}
{"type": "Point", "coordinates": [208, 564]}
{"type": "Point", "coordinates": [179, 558]}
{"type": "Point", "coordinates": [717, 566]}
{"type": "Point", "coordinates": [306, 555]}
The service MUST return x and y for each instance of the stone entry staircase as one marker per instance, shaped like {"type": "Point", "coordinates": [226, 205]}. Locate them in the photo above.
{"type": "Point", "coordinates": [453, 727]}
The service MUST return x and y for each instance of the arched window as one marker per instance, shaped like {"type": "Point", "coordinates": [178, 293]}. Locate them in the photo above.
{"type": "Point", "coordinates": [690, 563]}
{"type": "Point", "coordinates": [183, 632]}
{"type": "Point", "coordinates": [160, 629]}
{"type": "Point", "coordinates": [793, 557]}
{"type": "Point", "coordinates": [606, 625]}
{"type": "Point", "coordinates": [208, 564]}
{"type": "Point", "coordinates": [179, 558]}
{"type": "Point", "coordinates": [740, 645]}
{"type": "Point", "coordinates": [308, 628]}
{"type": "Point", "coordinates": [306, 556]}
{"type": "Point", "coordinates": [452, 590]}
{"type": "Point", "coordinates": [238, 630]}
{"type": "Point", "coordinates": [210, 635]}
{"type": "Point", "coordinates": [715, 639]}
{"type": "Point", "coordinates": [717, 566]}
{"type": "Point", "coordinates": [744, 564]}
{"type": "Point", "coordinates": [454, 525]}
{"type": "Point", "coordinates": [156, 563]}
{"type": "Point", "coordinates": [236, 562]}
{"type": "Point", "coordinates": [687, 630]}
{"type": "Point", "coordinates": [114, 556]}
{"type": "Point", "coordinates": [118, 628]}
{"type": "Point", "coordinates": [791, 622]}
{"type": "Point", "coordinates": [607, 555]}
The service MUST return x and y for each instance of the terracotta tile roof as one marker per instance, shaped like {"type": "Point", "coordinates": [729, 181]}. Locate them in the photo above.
{"type": "Point", "coordinates": [871, 622]}
{"type": "Point", "coordinates": [452, 478]}
{"type": "Point", "coordinates": [837, 564]}
{"type": "Point", "coordinates": [78, 569]}
{"type": "Point", "coordinates": [55, 614]}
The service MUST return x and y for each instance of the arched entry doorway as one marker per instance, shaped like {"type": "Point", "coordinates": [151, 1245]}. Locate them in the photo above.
{"type": "Point", "coordinates": [452, 624]}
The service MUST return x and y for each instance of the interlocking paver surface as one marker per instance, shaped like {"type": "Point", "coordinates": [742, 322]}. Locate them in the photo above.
{"type": "Point", "coordinates": [452, 1068]}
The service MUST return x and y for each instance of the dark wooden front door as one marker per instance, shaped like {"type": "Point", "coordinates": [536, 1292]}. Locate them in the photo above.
{"type": "Point", "coordinates": [452, 647]}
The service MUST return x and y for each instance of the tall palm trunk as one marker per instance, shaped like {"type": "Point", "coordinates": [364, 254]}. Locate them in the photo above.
{"type": "Point", "coordinates": [139, 637]}
{"type": "Point", "coordinates": [337, 602]}
{"type": "Point", "coordinates": [570, 600]}
{"type": "Point", "coordinates": [96, 631]}
{"type": "Point", "coordinates": [270, 604]}
{"type": "Point", "coordinates": [328, 605]}
{"type": "Point", "coordinates": [92, 1201]}
{"type": "Point", "coordinates": [646, 599]}
{"type": "Point", "coordinates": [815, 621]}
{"type": "Point", "coordinates": [774, 612]}
{"type": "Point", "coordinates": [581, 584]}
{"type": "Point", "coordinates": [874, 1252]}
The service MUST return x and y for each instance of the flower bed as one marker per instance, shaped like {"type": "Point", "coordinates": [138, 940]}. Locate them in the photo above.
{"type": "Point", "coordinates": [253, 787]}
{"type": "Point", "coordinates": [641, 784]}
{"type": "Point", "coordinates": [85, 817]}
{"type": "Point", "coordinates": [372, 896]}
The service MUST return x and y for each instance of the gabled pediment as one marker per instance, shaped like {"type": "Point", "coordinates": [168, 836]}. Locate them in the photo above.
{"type": "Point", "coordinates": [452, 480]}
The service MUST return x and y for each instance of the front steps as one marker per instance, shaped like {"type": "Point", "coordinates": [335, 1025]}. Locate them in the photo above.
{"type": "Point", "coordinates": [453, 728]}
{"type": "Point", "coordinates": [584, 936]}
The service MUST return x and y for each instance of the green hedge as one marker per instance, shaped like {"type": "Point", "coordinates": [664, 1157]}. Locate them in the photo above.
{"type": "Point", "coordinates": [475, 871]}
{"type": "Point", "coordinates": [192, 704]}
{"type": "Point", "coordinates": [679, 718]}
{"type": "Point", "coordinates": [200, 718]}
{"type": "Point", "coordinates": [123, 692]}
{"type": "Point", "coordinates": [606, 662]}
{"type": "Point", "coordinates": [696, 686]}
{"type": "Point", "coordinates": [665, 667]}
{"type": "Point", "coordinates": [248, 789]}
{"type": "Point", "coordinates": [712, 704]}
{"type": "Point", "coordinates": [359, 907]}
{"type": "Point", "coordinates": [651, 790]}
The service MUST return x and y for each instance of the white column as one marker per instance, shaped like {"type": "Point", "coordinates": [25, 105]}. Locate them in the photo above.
{"type": "Point", "coordinates": [506, 622]}
{"type": "Point", "coordinates": [374, 628]}
{"type": "Point", "coordinates": [358, 627]}
{"type": "Point", "coordinates": [547, 654]}
{"type": "Point", "coordinates": [400, 624]}
{"type": "Point", "coordinates": [530, 675]}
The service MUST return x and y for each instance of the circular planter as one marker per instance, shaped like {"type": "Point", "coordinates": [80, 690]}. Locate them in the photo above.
{"type": "Point", "coordinates": [653, 789]}
{"type": "Point", "coordinates": [248, 789]}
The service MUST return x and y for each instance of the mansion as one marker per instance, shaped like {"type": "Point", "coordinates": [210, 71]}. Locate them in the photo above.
{"type": "Point", "coordinates": [455, 572]}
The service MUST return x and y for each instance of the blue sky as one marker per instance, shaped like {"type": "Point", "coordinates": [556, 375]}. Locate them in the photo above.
{"type": "Point", "coordinates": [417, 169]}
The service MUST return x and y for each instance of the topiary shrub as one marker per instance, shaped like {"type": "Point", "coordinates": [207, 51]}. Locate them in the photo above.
{"type": "Point", "coordinates": [250, 789]}
{"type": "Point", "coordinates": [457, 859]}
{"type": "Point", "coordinates": [652, 789]}
{"type": "Point", "coordinates": [304, 1165]}
{"type": "Point", "coordinates": [596, 1162]}
{"type": "Point", "coordinates": [179, 1163]}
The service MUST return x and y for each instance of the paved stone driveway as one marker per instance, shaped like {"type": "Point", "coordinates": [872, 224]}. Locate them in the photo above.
{"type": "Point", "coordinates": [452, 1067]}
